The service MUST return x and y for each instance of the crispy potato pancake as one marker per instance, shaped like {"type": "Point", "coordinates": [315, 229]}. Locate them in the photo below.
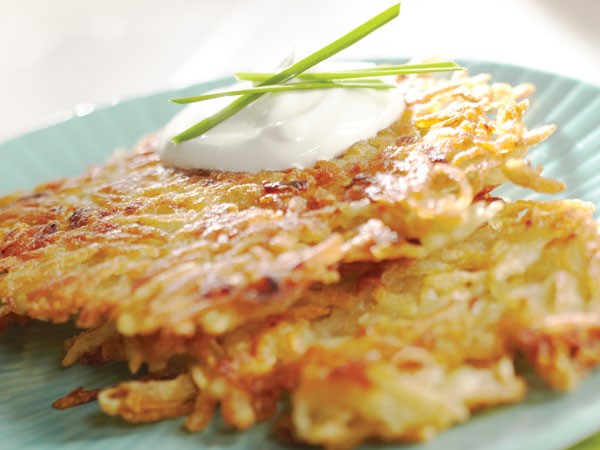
{"type": "Point", "coordinates": [158, 249]}
{"type": "Point", "coordinates": [386, 291]}
{"type": "Point", "coordinates": [396, 351]}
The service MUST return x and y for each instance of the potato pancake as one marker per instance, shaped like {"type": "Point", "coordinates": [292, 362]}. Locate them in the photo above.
{"type": "Point", "coordinates": [396, 351]}
{"type": "Point", "coordinates": [155, 249]}
{"type": "Point", "coordinates": [386, 292]}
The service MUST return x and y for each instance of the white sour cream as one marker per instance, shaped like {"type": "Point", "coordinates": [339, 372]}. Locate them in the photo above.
{"type": "Point", "coordinates": [281, 131]}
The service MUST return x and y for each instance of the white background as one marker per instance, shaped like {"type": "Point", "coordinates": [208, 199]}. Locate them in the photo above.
{"type": "Point", "coordinates": [62, 56]}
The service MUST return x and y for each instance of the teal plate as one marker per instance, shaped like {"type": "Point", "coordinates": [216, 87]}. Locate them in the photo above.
{"type": "Point", "coordinates": [30, 373]}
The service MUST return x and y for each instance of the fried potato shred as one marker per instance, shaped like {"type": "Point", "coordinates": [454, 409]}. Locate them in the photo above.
{"type": "Point", "coordinates": [76, 397]}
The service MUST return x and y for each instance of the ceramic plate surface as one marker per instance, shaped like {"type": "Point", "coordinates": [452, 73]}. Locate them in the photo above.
{"type": "Point", "coordinates": [30, 373]}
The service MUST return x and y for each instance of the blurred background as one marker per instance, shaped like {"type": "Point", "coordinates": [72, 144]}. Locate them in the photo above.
{"type": "Point", "coordinates": [61, 57]}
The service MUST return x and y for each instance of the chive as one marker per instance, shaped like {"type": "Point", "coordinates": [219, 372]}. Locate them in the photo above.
{"type": "Point", "coordinates": [403, 69]}
{"type": "Point", "coordinates": [320, 55]}
{"type": "Point", "coordinates": [374, 84]}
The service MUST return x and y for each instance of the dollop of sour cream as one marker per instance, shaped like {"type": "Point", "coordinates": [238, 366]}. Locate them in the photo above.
{"type": "Point", "coordinates": [281, 130]}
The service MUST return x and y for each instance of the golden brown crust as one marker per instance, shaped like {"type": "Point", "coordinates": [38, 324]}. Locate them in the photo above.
{"type": "Point", "coordinates": [154, 248]}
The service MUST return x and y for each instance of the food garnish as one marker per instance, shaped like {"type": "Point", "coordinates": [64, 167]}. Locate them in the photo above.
{"type": "Point", "coordinates": [302, 66]}
{"type": "Point", "coordinates": [381, 71]}
{"type": "Point", "coordinates": [327, 80]}
{"type": "Point", "coordinates": [370, 84]}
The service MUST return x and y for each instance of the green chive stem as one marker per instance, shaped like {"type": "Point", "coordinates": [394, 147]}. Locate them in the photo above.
{"type": "Point", "coordinates": [403, 69]}
{"type": "Point", "coordinates": [313, 85]}
{"type": "Point", "coordinates": [287, 74]}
